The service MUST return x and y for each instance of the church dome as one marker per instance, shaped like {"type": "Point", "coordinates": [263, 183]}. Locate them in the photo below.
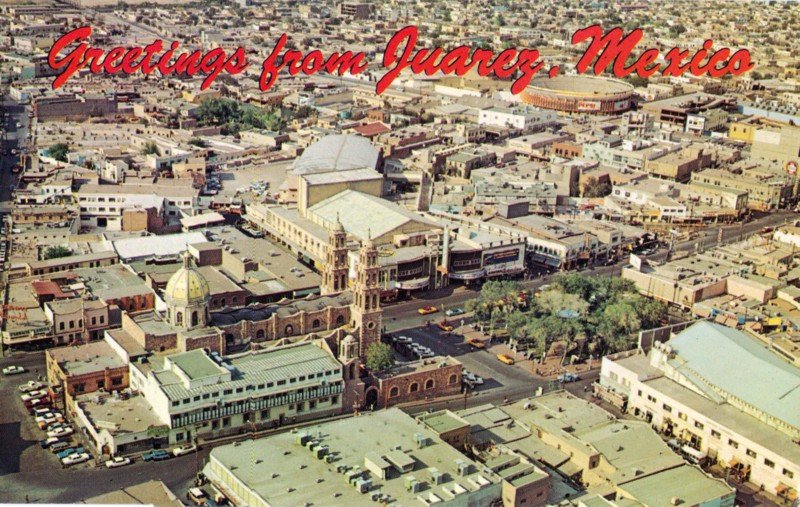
{"type": "Point", "coordinates": [187, 286]}
{"type": "Point", "coordinates": [341, 152]}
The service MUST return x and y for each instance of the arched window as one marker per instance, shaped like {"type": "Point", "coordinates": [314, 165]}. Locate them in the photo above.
{"type": "Point", "coordinates": [414, 388]}
{"type": "Point", "coordinates": [340, 320]}
{"type": "Point", "coordinates": [393, 392]}
{"type": "Point", "coordinates": [315, 324]}
{"type": "Point", "coordinates": [260, 334]}
{"type": "Point", "coordinates": [178, 318]}
{"type": "Point", "coordinates": [195, 318]}
{"type": "Point", "coordinates": [452, 379]}
{"type": "Point", "coordinates": [289, 330]}
{"type": "Point", "coordinates": [429, 384]}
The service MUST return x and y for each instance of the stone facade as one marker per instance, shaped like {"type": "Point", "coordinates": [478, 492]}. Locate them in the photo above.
{"type": "Point", "coordinates": [423, 380]}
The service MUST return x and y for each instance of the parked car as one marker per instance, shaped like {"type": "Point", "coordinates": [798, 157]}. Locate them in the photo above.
{"type": "Point", "coordinates": [478, 344]}
{"type": "Point", "coordinates": [45, 421]}
{"type": "Point", "coordinates": [197, 496]}
{"type": "Point", "coordinates": [33, 395]}
{"type": "Point", "coordinates": [568, 377]}
{"type": "Point", "coordinates": [445, 326]}
{"type": "Point", "coordinates": [427, 310]}
{"type": "Point", "coordinates": [13, 370]}
{"type": "Point", "coordinates": [118, 461]}
{"type": "Point", "coordinates": [47, 442]}
{"type": "Point", "coordinates": [37, 411]}
{"type": "Point", "coordinates": [29, 386]}
{"type": "Point", "coordinates": [505, 358]}
{"type": "Point", "coordinates": [156, 455]}
{"type": "Point", "coordinates": [37, 403]}
{"type": "Point", "coordinates": [184, 449]}
{"type": "Point", "coordinates": [74, 459]}
{"type": "Point", "coordinates": [472, 379]}
{"type": "Point", "coordinates": [60, 445]}
{"type": "Point", "coordinates": [454, 311]}
{"type": "Point", "coordinates": [70, 450]}
{"type": "Point", "coordinates": [403, 339]}
{"type": "Point", "coordinates": [61, 431]}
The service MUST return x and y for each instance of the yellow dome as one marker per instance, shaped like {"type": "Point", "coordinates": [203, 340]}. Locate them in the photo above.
{"type": "Point", "coordinates": [187, 286]}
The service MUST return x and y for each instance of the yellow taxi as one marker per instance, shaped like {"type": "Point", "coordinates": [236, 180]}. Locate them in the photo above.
{"type": "Point", "coordinates": [505, 358]}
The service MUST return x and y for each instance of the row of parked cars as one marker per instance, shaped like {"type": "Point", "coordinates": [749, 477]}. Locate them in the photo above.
{"type": "Point", "coordinates": [409, 347]}
{"type": "Point", "coordinates": [57, 431]}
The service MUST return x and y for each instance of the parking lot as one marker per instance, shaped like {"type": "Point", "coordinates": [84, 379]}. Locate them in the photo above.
{"type": "Point", "coordinates": [30, 473]}
{"type": "Point", "coordinates": [499, 379]}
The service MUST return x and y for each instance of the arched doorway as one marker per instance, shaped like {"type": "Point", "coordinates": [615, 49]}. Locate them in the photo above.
{"type": "Point", "coordinates": [371, 397]}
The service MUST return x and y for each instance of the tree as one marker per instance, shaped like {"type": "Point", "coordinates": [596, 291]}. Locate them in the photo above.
{"type": "Point", "coordinates": [380, 356]}
{"type": "Point", "coordinates": [54, 252]}
{"type": "Point", "coordinates": [58, 151]}
{"type": "Point", "coordinates": [594, 188]}
{"type": "Point", "coordinates": [150, 148]}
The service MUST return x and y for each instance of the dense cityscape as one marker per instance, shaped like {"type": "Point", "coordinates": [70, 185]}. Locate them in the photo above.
{"type": "Point", "coordinates": [584, 294]}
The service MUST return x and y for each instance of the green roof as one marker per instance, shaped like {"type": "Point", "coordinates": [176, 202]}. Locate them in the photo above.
{"type": "Point", "coordinates": [196, 364]}
{"type": "Point", "coordinates": [733, 362]}
{"type": "Point", "coordinates": [689, 484]}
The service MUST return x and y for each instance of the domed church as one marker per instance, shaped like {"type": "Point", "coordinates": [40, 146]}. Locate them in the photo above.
{"type": "Point", "coordinates": [187, 295]}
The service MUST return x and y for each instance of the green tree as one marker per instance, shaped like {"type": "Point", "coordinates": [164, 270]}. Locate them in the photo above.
{"type": "Point", "coordinates": [594, 188]}
{"type": "Point", "coordinates": [58, 151]}
{"type": "Point", "coordinates": [54, 252]}
{"type": "Point", "coordinates": [380, 356]}
{"type": "Point", "coordinates": [151, 148]}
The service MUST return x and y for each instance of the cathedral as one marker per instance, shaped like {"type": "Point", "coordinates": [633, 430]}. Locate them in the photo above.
{"type": "Point", "coordinates": [346, 316]}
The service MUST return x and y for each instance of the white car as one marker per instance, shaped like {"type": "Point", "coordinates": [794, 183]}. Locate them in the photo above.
{"type": "Point", "coordinates": [33, 395]}
{"type": "Point", "coordinates": [60, 432]}
{"type": "Point", "coordinates": [184, 449]}
{"type": "Point", "coordinates": [117, 462]}
{"type": "Point", "coordinates": [29, 386]}
{"type": "Point", "coordinates": [13, 370]}
{"type": "Point", "coordinates": [74, 459]}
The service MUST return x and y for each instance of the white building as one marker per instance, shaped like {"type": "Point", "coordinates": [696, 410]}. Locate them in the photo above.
{"type": "Point", "coordinates": [722, 393]}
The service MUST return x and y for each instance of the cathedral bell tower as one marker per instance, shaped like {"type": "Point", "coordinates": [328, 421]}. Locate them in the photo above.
{"type": "Point", "coordinates": [334, 274]}
{"type": "Point", "coordinates": [366, 312]}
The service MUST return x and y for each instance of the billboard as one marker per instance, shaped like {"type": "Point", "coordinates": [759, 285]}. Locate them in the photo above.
{"type": "Point", "coordinates": [501, 257]}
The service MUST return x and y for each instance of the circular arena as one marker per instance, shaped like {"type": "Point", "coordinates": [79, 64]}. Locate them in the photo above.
{"type": "Point", "coordinates": [579, 94]}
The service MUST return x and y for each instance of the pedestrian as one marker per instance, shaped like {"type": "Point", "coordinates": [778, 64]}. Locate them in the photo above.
{"type": "Point", "coordinates": [27, 500]}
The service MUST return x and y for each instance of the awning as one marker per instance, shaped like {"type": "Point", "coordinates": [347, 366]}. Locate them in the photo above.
{"type": "Point", "coordinates": [553, 262]}
{"type": "Point", "coordinates": [467, 275]}
{"type": "Point", "coordinates": [413, 284]}
{"type": "Point", "coordinates": [733, 463]}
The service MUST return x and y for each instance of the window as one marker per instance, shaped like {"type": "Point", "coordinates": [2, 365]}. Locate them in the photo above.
{"type": "Point", "coordinates": [429, 384]}
{"type": "Point", "coordinates": [651, 398]}
{"type": "Point", "coordinates": [788, 473]}
{"type": "Point", "coordinates": [394, 391]}
{"type": "Point", "coordinates": [115, 381]}
{"type": "Point", "coordinates": [226, 422]}
{"type": "Point", "coordinates": [715, 434]}
{"type": "Point", "coordinates": [179, 437]}
{"type": "Point", "coordinates": [699, 425]}
{"type": "Point", "coordinates": [315, 324]}
{"type": "Point", "coordinates": [196, 398]}
{"type": "Point", "coordinates": [769, 463]}
{"type": "Point", "coordinates": [666, 408]}
{"type": "Point", "coordinates": [414, 388]}
{"type": "Point", "coordinates": [733, 443]}
{"type": "Point", "coordinates": [751, 453]}
{"type": "Point", "coordinates": [452, 379]}
{"type": "Point", "coordinates": [334, 400]}
{"type": "Point", "coordinates": [682, 416]}
{"type": "Point", "coordinates": [227, 391]}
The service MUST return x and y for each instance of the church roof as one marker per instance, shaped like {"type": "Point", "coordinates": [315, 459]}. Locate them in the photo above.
{"type": "Point", "coordinates": [337, 153]}
{"type": "Point", "coordinates": [187, 285]}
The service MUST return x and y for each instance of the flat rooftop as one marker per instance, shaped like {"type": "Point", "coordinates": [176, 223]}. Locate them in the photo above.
{"type": "Point", "coordinates": [86, 358]}
{"type": "Point", "coordinates": [284, 473]}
